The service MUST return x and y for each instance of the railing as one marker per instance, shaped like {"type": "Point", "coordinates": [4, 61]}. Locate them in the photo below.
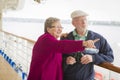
{"type": "Point", "coordinates": [19, 49]}
{"type": "Point", "coordinates": [110, 66]}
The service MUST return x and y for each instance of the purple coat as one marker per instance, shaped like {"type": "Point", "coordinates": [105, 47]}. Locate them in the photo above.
{"type": "Point", "coordinates": [46, 61]}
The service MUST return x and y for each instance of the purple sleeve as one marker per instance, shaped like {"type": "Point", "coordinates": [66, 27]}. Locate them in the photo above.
{"type": "Point", "coordinates": [63, 46]}
{"type": "Point", "coordinates": [68, 46]}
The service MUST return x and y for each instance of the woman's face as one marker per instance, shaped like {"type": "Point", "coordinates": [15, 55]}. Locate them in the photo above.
{"type": "Point", "coordinates": [56, 29]}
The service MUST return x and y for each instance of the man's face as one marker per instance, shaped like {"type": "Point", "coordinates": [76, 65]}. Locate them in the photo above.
{"type": "Point", "coordinates": [80, 23]}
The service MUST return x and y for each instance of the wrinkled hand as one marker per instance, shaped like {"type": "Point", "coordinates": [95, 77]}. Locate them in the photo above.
{"type": "Point", "coordinates": [86, 59]}
{"type": "Point", "coordinates": [64, 35]}
{"type": "Point", "coordinates": [70, 60]}
{"type": "Point", "coordinates": [90, 43]}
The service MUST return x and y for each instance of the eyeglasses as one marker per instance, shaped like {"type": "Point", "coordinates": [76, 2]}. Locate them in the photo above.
{"type": "Point", "coordinates": [60, 27]}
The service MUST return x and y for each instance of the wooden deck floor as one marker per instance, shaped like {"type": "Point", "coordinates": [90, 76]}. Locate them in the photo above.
{"type": "Point", "coordinates": [7, 72]}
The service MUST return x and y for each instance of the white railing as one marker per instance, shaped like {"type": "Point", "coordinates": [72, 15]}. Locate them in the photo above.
{"type": "Point", "coordinates": [18, 49]}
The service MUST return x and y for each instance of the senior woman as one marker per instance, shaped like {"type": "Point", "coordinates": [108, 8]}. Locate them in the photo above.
{"type": "Point", "coordinates": [46, 63]}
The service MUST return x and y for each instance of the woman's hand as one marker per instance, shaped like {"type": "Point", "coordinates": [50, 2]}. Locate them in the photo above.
{"type": "Point", "coordinates": [90, 43]}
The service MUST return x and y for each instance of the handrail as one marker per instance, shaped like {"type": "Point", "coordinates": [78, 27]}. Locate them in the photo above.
{"type": "Point", "coordinates": [105, 65]}
{"type": "Point", "coordinates": [32, 41]}
{"type": "Point", "coordinates": [110, 66]}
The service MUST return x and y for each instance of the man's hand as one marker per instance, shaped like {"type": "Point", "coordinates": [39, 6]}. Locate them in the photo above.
{"type": "Point", "coordinates": [70, 60]}
{"type": "Point", "coordinates": [64, 35]}
{"type": "Point", "coordinates": [86, 59]}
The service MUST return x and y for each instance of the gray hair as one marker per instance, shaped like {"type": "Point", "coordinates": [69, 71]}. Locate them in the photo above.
{"type": "Point", "coordinates": [49, 21]}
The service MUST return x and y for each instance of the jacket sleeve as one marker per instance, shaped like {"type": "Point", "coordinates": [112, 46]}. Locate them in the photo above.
{"type": "Point", "coordinates": [105, 52]}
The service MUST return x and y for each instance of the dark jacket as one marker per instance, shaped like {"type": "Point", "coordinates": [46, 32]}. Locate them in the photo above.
{"type": "Point", "coordinates": [80, 71]}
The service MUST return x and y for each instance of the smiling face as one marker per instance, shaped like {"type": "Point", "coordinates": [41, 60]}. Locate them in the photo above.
{"type": "Point", "coordinates": [53, 26]}
{"type": "Point", "coordinates": [80, 23]}
{"type": "Point", "coordinates": [56, 29]}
